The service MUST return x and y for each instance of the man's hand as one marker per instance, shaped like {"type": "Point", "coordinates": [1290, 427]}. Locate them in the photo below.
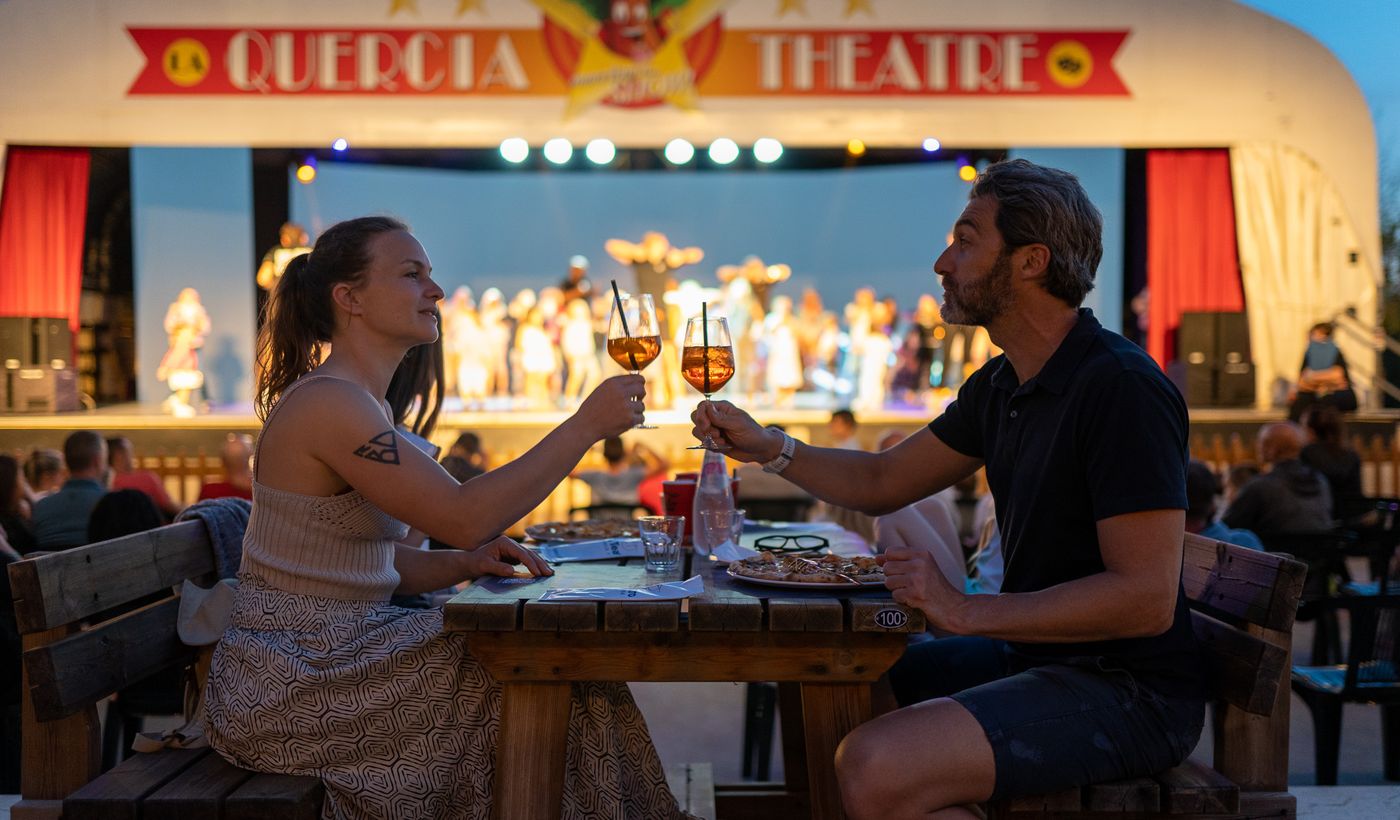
{"type": "Point", "coordinates": [723, 421]}
{"type": "Point", "coordinates": [501, 557]}
{"type": "Point", "coordinates": [914, 578]}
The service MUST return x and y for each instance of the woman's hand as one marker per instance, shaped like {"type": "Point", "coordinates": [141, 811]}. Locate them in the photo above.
{"type": "Point", "coordinates": [501, 557]}
{"type": "Point", "coordinates": [614, 407]}
{"type": "Point", "coordinates": [723, 421]}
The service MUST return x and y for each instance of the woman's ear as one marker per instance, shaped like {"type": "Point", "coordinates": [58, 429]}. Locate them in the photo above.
{"type": "Point", "coordinates": [345, 298]}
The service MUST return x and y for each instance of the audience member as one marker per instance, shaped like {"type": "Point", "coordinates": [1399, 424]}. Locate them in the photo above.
{"type": "Point", "coordinates": [61, 519]}
{"type": "Point", "coordinates": [1328, 453]}
{"type": "Point", "coordinates": [44, 471]}
{"type": "Point", "coordinates": [842, 428]}
{"type": "Point", "coordinates": [1289, 496]}
{"type": "Point", "coordinates": [237, 458]}
{"type": "Point", "coordinates": [121, 457]}
{"type": "Point", "coordinates": [619, 481]}
{"type": "Point", "coordinates": [16, 506]}
{"type": "Point", "coordinates": [468, 446]}
{"type": "Point", "coordinates": [1238, 476]}
{"type": "Point", "coordinates": [122, 512]}
{"type": "Point", "coordinates": [1202, 486]}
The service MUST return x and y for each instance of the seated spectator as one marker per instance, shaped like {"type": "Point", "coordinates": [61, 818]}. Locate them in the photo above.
{"type": "Point", "coordinates": [44, 469]}
{"type": "Point", "coordinates": [1202, 486]}
{"type": "Point", "coordinates": [620, 481]}
{"type": "Point", "coordinates": [121, 457]}
{"type": "Point", "coordinates": [16, 506]}
{"type": "Point", "coordinates": [1328, 453]}
{"type": "Point", "coordinates": [468, 446]}
{"type": "Point", "coordinates": [460, 468]}
{"type": "Point", "coordinates": [1238, 476]}
{"type": "Point", "coordinates": [61, 519]}
{"type": "Point", "coordinates": [122, 512]}
{"type": "Point", "coordinates": [842, 428]}
{"type": "Point", "coordinates": [1290, 496]}
{"type": "Point", "coordinates": [237, 458]}
{"type": "Point", "coordinates": [1323, 378]}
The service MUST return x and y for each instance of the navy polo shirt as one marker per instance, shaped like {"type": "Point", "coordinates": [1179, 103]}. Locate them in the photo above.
{"type": "Point", "coordinates": [1098, 432]}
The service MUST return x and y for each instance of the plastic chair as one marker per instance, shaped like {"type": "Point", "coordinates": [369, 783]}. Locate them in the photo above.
{"type": "Point", "coordinates": [1325, 552]}
{"type": "Point", "coordinates": [1371, 674]}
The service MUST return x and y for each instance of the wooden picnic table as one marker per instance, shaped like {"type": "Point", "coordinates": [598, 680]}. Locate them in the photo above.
{"type": "Point", "coordinates": [831, 646]}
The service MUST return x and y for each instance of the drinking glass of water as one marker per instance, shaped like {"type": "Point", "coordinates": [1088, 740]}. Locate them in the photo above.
{"type": "Point", "coordinates": [661, 541]}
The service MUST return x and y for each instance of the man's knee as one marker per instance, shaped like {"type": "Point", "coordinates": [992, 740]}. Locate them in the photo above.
{"type": "Point", "coordinates": [860, 761]}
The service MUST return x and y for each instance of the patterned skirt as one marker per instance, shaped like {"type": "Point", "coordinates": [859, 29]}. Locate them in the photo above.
{"type": "Point", "coordinates": [397, 718]}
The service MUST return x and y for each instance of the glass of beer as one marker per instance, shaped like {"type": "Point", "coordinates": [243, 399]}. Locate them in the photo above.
{"type": "Point", "coordinates": [707, 362]}
{"type": "Point", "coordinates": [634, 337]}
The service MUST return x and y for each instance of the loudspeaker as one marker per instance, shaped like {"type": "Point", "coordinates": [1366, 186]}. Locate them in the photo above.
{"type": "Point", "coordinates": [43, 390]}
{"type": "Point", "coordinates": [1214, 349]}
{"type": "Point", "coordinates": [14, 341]}
{"type": "Point", "coordinates": [52, 341]}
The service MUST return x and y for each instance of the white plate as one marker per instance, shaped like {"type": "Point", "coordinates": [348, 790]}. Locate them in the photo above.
{"type": "Point", "coordinates": [823, 585]}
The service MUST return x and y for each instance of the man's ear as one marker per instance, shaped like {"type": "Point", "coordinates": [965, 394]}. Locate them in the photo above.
{"type": "Point", "coordinates": [1031, 261]}
{"type": "Point", "coordinates": [345, 298]}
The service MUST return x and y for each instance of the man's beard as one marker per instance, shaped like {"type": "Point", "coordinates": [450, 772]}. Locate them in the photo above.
{"type": "Point", "coordinates": [983, 299]}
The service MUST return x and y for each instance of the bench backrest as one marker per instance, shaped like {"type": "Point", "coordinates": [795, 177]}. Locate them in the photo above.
{"type": "Point", "coordinates": [1243, 604]}
{"type": "Point", "coordinates": [75, 654]}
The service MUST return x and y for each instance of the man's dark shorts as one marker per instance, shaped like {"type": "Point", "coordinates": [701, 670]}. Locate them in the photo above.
{"type": "Point", "coordinates": [1052, 727]}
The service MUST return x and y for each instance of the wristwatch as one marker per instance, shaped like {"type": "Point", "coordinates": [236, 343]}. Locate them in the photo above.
{"type": "Point", "coordinates": [784, 458]}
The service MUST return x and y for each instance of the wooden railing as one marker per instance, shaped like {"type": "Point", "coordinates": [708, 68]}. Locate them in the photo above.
{"type": "Point", "coordinates": [1380, 460]}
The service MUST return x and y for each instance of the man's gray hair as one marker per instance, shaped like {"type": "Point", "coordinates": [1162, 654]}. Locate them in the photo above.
{"type": "Point", "coordinates": [1040, 205]}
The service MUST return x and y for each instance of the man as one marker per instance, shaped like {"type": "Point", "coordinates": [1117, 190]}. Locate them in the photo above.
{"type": "Point", "coordinates": [619, 482]}
{"type": "Point", "coordinates": [292, 241]}
{"type": "Point", "coordinates": [237, 458]}
{"type": "Point", "coordinates": [1202, 486]}
{"type": "Point", "coordinates": [842, 426]}
{"type": "Point", "coordinates": [121, 457]}
{"type": "Point", "coordinates": [61, 519]}
{"type": "Point", "coordinates": [1289, 496]}
{"type": "Point", "coordinates": [1085, 667]}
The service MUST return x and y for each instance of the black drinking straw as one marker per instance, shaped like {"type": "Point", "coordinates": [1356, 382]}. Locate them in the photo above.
{"type": "Point", "coordinates": [705, 339]}
{"type": "Point", "coordinates": [622, 314]}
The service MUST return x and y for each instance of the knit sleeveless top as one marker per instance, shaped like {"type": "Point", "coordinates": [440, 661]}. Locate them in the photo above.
{"type": "Point", "coordinates": [338, 546]}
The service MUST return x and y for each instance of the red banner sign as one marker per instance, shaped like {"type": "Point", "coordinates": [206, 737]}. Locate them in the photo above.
{"type": "Point", "coordinates": [585, 66]}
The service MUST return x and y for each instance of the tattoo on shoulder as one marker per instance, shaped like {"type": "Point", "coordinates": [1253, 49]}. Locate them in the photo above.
{"type": "Point", "coordinates": [383, 448]}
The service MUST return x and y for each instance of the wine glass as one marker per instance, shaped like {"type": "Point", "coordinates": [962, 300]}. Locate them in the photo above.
{"type": "Point", "coordinates": [707, 362]}
{"type": "Point", "coordinates": [634, 337]}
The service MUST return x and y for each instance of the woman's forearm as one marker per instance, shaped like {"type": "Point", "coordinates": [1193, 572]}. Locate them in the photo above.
{"type": "Point", "coordinates": [428, 570]}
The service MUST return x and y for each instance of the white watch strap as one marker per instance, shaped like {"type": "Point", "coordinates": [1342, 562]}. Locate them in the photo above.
{"type": "Point", "coordinates": [784, 458]}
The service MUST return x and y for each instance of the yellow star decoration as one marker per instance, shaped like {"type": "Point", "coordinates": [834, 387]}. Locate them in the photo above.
{"type": "Point", "coordinates": [601, 71]}
{"type": "Point", "coordinates": [395, 6]}
{"type": "Point", "coordinates": [464, 6]}
{"type": "Point", "coordinates": [853, 6]}
{"type": "Point", "coordinates": [785, 6]}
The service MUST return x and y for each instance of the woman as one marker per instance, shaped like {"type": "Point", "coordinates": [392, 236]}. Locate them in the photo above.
{"type": "Point", "coordinates": [317, 674]}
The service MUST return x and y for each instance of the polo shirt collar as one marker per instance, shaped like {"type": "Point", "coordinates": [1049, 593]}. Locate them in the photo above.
{"type": "Point", "coordinates": [1060, 367]}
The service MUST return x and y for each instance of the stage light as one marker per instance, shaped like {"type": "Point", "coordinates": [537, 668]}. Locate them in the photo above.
{"type": "Point", "coordinates": [679, 151]}
{"type": "Point", "coordinates": [931, 144]}
{"type": "Point", "coordinates": [558, 151]}
{"type": "Point", "coordinates": [515, 150]}
{"type": "Point", "coordinates": [306, 172]}
{"type": "Point", "coordinates": [855, 148]}
{"type": "Point", "coordinates": [724, 151]}
{"type": "Point", "coordinates": [340, 145]}
{"type": "Point", "coordinates": [967, 173]}
{"type": "Point", "coordinates": [600, 151]}
{"type": "Point", "coordinates": [767, 150]}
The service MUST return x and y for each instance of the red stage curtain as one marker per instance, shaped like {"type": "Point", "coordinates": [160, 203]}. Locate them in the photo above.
{"type": "Point", "coordinates": [1192, 263]}
{"type": "Point", "coordinates": [43, 213]}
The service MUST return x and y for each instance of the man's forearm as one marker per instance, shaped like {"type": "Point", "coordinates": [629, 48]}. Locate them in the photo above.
{"type": "Point", "coordinates": [1101, 607]}
{"type": "Point", "coordinates": [846, 478]}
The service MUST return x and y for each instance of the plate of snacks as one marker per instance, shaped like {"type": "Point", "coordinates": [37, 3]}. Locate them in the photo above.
{"type": "Point", "coordinates": [588, 530]}
{"type": "Point", "coordinates": [796, 572]}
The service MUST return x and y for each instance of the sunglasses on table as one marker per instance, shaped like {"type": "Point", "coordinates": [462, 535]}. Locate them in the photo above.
{"type": "Point", "coordinates": [791, 543]}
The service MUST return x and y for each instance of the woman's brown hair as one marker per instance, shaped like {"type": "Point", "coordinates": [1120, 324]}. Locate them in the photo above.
{"type": "Point", "coordinates": [300, 315]}
{"type": "Point", "coordinates": [417, 387]}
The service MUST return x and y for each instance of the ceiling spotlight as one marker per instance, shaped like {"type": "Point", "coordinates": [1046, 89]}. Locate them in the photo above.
{"type": "Point", "coordinates": [855, 148]}
{"type": "Point", "coordinates": [340, 145]}
{"type": "Point", "coordinates": [600, 151]}
{"type": "Point", "coordinates": [306, 172]}
{"type": "Point", "coordinates": [767, 150]}
{"type": "Point", "coordinates": [931, 144]}
{"type": "Point", "coordinates": [724, 151]}
{"type": "Point", "coordinates": [515, 150]}
{"type": "Point", "coordinates": [679, 151]}
{"type": "Point", "coordinates": [967, 173]}
{"type": "Point", "coordinates": [558, 151]}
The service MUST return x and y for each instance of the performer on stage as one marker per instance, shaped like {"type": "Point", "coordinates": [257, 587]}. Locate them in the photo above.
{"type": "Point", "coordinates": [186, 323]}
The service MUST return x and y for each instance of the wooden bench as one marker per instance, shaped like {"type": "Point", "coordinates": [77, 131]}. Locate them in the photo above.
{"type": "Point", "coordinates": [72, 661]}
{"type": "Point", "coordinates": [1243, 603]}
